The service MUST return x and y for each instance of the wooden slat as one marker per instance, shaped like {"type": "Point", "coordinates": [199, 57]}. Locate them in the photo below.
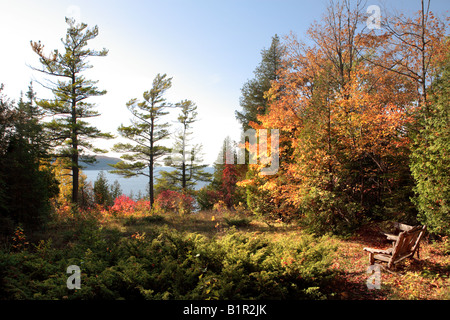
{"type": "Point", "coordinates": [390, 236]}
{"type": "Point", "coordinates": [404, 227]}
{"type": "Point", "coordinates": [377, 250]}
{"type": "Point", "coordinates": [383, 257]}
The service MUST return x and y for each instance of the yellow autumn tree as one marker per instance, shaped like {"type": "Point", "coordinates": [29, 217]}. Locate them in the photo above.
{"type": "Point", "coordinates": [63, 174]}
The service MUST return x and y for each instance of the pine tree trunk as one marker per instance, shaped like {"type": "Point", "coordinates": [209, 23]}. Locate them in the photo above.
{"type": "Point", "coordinates": [150, 182]}
{"type": "Point", "coordinates": [75, 182]}
{"type": "Point", "coordinates": [183, 167]}
{"type": "Point", "coordinates": [75, 170]}
{"type": "Point", "coordinates": [150, 168]}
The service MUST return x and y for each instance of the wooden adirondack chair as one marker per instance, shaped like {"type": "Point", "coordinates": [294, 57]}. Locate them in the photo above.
{"type": "Point", "coordinates": [405, 245]}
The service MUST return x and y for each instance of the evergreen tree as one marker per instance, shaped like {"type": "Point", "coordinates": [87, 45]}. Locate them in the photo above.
{"type": "Point", "coordinates": [102, 194]}
{"type": "Point", "coordinates": [27, 181]}
{"type": "Point", "coordinates": [115, 190]}
{"type": "Point", "coordinates": [29, 124]}
{"type": "Point", "coordinates": [146, 131]}
{"type": "Point", "coordinates": [7, 117]}
{"type": "Point", "coordinates": [253, 101]}
{"type": "Point", "coordinates": [430, 159]}
{"type": "Point", "coordinates": [185, 160]}
{"type": "Point", "coordinates": [70, 135]}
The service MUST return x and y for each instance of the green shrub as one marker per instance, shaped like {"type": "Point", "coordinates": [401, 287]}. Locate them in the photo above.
{"type": "Point", "coordinates": [206, 197]}
{"type": "Point", "coordinates": [430, 157]}
{"type": "Point", "coordinates": [170, 265]}
{"type": "Point", "coordinates": [237, 220]}
{"type": "Point", "coordinates": [325, 212]}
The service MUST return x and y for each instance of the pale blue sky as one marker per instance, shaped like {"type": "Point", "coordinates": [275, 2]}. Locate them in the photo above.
{"type": "Point", "coordinates": [210, 48]}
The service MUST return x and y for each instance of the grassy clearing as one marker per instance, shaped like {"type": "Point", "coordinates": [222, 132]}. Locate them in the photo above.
{"type": "Point", "coordinates": [346, 268]}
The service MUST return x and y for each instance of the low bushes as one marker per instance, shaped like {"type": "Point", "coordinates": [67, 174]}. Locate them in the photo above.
{"type": "Point", "coordinates": [169, 265]}
{"type": "Point", "coordinates": [236, 220]}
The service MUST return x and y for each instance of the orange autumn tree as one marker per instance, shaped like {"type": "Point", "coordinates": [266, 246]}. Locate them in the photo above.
{"type": "Point", "coordinates": [410, 46]}
{"type": "Point", "coordinates": [342, 123]}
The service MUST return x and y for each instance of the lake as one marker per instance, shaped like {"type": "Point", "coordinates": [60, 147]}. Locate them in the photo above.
{"type": "Point", "coordinates": [135, 184]}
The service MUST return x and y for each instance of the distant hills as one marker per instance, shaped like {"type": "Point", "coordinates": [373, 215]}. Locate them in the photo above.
{"type": "Point", "coordinates": [101, 164]}
{"type": "Point", "coordinates": [104, 161]}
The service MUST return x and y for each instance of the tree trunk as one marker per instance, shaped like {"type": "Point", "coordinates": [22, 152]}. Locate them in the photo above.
{"type": "Point", "coordinates": [75, 181]}
{"type": "Point", "coordinates": [150, 167]}
{"type": "Point", "coordinates": [150, 182]}
{"type": "Point", "coordinates": [183, 166]}
{"type": "Point", "coordinates": [75, 169]}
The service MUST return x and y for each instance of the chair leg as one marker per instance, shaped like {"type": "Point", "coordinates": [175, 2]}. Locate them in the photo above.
{"type": "Point", "coordinates": [390, 265]}
{"type": "Point", "coordinates": [371, 258]}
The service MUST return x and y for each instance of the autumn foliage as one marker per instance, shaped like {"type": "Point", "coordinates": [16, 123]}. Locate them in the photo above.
{"type": "Point", "coordinates": [175, 201]}
{"type": "Point", "coordinates": [346, 110]}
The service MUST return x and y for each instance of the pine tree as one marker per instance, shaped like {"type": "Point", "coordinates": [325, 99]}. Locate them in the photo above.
{"type": "Point", "coordinates": [69, 134]}
{"type": "Point", "coordinates": [115, 191]}
{"type": "Point", "coordinates": [253, 100]}
{"type": "Point", "coordinates": [26, 179]}
{"type": "Point", "coordinates": [102, 194]}
{"type": "Point", "coordinates": [7, 118]}
{"type": "Point", "coordinates": [30, 126]}
{"type": "Point", "coordinates": [185, 160]}
{"type": "Point", "coordinates": [146, 131]}
{"type": "Point", "coordinates": [227, 173]}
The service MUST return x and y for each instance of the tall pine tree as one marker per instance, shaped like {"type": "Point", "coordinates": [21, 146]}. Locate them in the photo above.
{"type": "Point", "coordinates": [69, 133]}
{"type": "Point", "coordinates": [146, 132]}
{"type": "Point", "coordinates": [185, 159]}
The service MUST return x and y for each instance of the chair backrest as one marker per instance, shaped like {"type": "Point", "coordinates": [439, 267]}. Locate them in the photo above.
{"type": "Point", "coordinates": [402, 227]}
{"type": "Point", "coordinates": [407, 243]}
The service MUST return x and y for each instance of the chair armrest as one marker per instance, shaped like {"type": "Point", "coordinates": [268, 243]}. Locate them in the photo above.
{"type": "Point", "coordinates": [371, 250]}
{"type": "Point", "coordinates": [390, 236]}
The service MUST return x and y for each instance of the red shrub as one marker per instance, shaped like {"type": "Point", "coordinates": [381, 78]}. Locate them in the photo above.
{"type": "Point", "coordinates": [124, 205]}
{"type": "Point", "coordinates": [178, 202]}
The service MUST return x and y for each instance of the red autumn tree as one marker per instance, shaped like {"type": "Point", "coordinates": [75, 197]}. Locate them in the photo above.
{"type": "Point", "coordinates": [229, 179]}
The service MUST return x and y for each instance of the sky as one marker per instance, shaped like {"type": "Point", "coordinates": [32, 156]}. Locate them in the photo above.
{"type": "Point", "coordinates": [209, 47]}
